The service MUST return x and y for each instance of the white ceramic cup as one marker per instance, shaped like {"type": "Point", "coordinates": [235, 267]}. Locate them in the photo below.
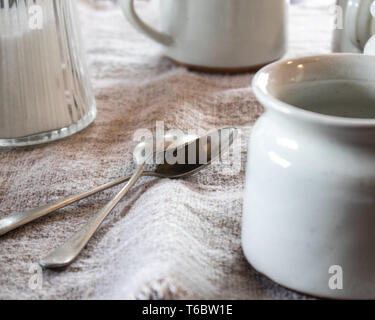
{"type": "Point", "coordinates": [218, 35]}
{"type": "Point", "coordinates": [358, 26]}
{"type": "Point", "coordinates": [309, 204]}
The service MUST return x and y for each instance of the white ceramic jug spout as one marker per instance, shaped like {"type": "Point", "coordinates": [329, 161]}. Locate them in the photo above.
{"type": "Point", "coordinates": [370, 46]}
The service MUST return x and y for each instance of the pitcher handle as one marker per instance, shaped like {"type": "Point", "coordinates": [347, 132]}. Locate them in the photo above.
{"type": "Point", "coordinates": [132, 16]}
{"type": "Point", "coordinates": [358, 21]}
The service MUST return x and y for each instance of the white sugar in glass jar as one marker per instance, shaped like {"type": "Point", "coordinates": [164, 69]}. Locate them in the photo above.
{"type": "Point", "coordinates": [45, 92]}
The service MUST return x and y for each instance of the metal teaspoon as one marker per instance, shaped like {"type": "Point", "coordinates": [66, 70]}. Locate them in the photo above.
{"type": "Point", "coordinates": [203, 148]}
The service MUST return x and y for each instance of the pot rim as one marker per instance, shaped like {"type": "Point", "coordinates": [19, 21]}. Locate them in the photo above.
{"type": "Point", "coordinates": [269, 101]}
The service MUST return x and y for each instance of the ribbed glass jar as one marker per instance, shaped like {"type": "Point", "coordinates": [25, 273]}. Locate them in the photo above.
{"type": "Point", "coordinates": [45, 93]}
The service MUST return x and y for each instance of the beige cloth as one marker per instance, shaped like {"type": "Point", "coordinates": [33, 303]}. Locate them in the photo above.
{"type": "Point", "coordinates": [167, 239]}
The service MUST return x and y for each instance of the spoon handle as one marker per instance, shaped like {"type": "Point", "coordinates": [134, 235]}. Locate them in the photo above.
{"type": "Point", "coordinates": [17, 220]}
{"type": "Point", "coordinates": [65, 254]}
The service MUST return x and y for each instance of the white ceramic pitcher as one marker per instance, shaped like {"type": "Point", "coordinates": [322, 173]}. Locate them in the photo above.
{"type": "Point", "coordinates": [218, 35]}
{"type": "Point", "coordinates": [358, 26]}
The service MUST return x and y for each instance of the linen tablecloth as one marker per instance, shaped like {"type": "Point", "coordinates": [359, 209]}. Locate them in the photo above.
{"type": "Point", "coordinates": [168, 238]}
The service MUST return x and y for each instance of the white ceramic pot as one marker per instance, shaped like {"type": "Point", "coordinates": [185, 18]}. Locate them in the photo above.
{"type": "Point", "coordinates": [218, 35]}
{"type": "Point", "coordinates": [358, 25]}
{"type": "Point", "coordinates": [309, 204]}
